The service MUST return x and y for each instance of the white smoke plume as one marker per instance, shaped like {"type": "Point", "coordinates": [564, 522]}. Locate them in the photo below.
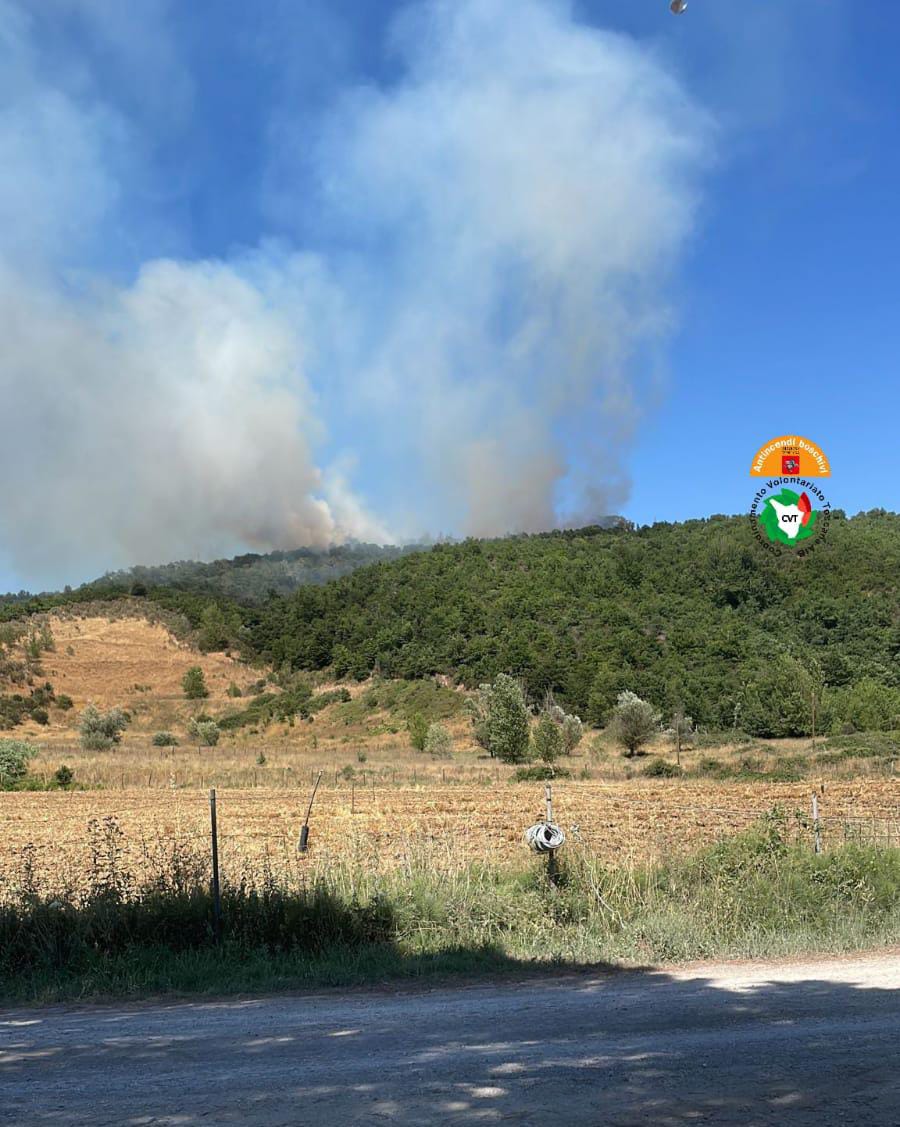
{"type": "Point", "coordinates": [476, 358]}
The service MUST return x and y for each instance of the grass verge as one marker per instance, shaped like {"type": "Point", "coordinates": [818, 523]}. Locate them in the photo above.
{"type": "Point", "coordinates": [758, 894]}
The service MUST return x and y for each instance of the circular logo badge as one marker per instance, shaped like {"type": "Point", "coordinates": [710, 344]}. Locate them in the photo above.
{"type": "Point", "coordinates": [789, 511]}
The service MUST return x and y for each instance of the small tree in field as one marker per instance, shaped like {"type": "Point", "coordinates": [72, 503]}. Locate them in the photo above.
{"type": "Point", "coordinates": [438, 742]}
{"type": "Point", "coordinates": [15, 756]}
{"type": "Point", "coordinates": [500, 719]}
{"type": "Point", "coordinates": [194, 684]}
{"type": "Point", "coordinates": [478, 707]}
{"type": "Point", "coordinates": [634, 722]}
{"type": "Point", "coordinates": [101, 730]}
{"type": "Point", "coordinates": [570, 727]}
{"type": "Point", "coordinates": [205, 732]}
{"type": "Point", "coordinates": [681, 731]}
{"type": "Point", "coordinates": [547, 740]}
{"type": "Point", "coordinates": [418, 730]}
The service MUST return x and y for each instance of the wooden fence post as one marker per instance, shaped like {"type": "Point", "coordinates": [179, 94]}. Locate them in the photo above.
{"type": "Point", "coordinates": [817, 829]}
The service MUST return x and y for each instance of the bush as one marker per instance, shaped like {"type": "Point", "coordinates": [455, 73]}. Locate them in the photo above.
{"type": "Point", "coordinates": [204, 731]}
{"type": "Point", "coordinates": [438, 742]}
{"type": "Point", "coordinates": [15, 755]}
{"type": "Point", "coordinates": [101, 730]}
{"type": "Point", "coordinates": [194, 684]}
{"type": "Point", "coordinates": [63, 776]}
{"type": "Point", "coordinates": [661, 769]}
{"type": "Point", "coordinates": [540, 772]}
{"type": "Point", "coordinates": [65, 702]}
{"type": "Point", "coordinates": [572, 732]}
{"type": "Point", "coordinates": [40, 716]}
{"type": "Point", "coordinates": [234, 690]}
{"type": "Point", "coordinates": [164, 739]}
{"type": "Point", "coordinates": [417, 726]}
{"type": "Point", "coordinates": [634, 722]}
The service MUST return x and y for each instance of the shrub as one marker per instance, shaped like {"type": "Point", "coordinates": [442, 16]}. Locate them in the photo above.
{"type": "Point", "coordinates": [15, 755]}
{"type": "Point", "coordinates": [40, 716]}
{"type": "Point", "coordinates": [65, 702]}
{"type": "Point", "coordinates": [438, 742]}
{"type": "Point", "coordinates": [63, 776]}
{"type": "Point", "coordinates": [101, 730]}
{"type": "Point", "coordinates": [571, 729]}
{"type": "Point", "coordinates": [164, 739]}
{"type": "Point", "coordinates": [204, 731]}
{"type": "Point", "coordinates": [234, 691]}
{"type": "Point", "coordinates": [540, 772]}
{"type": "Point", "coordinates": [572, 732]}
{"type": "Point", "coordinates": [634, 722]}
{"type": "Point", "coordinates": [417, 726]}
{"type": "Point", "coordinates": [661, 769]}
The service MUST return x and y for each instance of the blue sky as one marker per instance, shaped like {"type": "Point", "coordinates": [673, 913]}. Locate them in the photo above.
{"type": "Point", "coordinates": [286, 273]}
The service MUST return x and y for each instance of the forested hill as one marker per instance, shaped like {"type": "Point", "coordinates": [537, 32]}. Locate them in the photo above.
{"type": "Point", "coordinates": [696, 613]}
{"type": "Point", "coordinates": [249, 578]}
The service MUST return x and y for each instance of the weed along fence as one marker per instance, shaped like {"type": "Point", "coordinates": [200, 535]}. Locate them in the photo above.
{"type": "Point", "coordinates": [381, 827]}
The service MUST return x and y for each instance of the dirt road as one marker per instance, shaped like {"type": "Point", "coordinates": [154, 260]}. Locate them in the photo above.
{"type": "Point", "coordinates": [801, 1043]}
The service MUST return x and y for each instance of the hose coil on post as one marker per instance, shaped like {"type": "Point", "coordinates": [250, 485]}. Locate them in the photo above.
{"type": "Point", "coordinates": [545, 837]}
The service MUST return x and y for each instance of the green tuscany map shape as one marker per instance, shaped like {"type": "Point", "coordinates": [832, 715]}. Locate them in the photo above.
{"type": "Point", "coordinates": [783, 516]}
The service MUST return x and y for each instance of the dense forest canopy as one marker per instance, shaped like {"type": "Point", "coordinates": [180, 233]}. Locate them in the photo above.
{"type": "Point", "coordinates": [694, 615]}
{"type": "Point", "coordinates": [249, 578]}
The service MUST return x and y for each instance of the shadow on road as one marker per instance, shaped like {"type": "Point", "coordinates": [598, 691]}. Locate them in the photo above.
{"type": "Point", "coordinates": [597, 1047]}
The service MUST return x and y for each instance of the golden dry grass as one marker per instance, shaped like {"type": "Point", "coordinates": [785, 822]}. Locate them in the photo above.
{"type": "Point", "coordinates": [130, 663]}
{"type": "Point", "coordinates": [385, 826]}
{"type": "Point", "coordinates": [398, 803]}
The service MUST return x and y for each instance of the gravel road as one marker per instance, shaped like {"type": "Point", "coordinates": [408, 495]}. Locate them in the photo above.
{"type": "Point", "coordinates": [791, 1043]}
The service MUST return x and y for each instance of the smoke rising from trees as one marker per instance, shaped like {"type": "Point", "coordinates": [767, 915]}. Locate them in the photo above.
{"type": "Point", "coordinates": [469, 344]}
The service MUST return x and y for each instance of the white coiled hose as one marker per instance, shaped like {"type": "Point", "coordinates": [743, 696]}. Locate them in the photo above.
{"type": "Point", "coordinates": [545, 837]}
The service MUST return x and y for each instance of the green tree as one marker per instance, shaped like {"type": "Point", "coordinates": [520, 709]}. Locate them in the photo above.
{"type": "Point", "coordinates": [204, 731]}
{"type": "Point", "coordinates": [868, 706]}
{"type": "Point", "coordinates": [572, 733]}
{"type": "Point", "coordinates": [634, 722]}
{"type": "Point", "coordinates": [478, 706]}
{"type": "Point", "coordinates": [507, 720]}
{"type": "Point", "coordinates": [101, 730]}
{"type": "Point", "coordinates": [438, 741]}
{"type": "Point", "coordinates": [681, 731]}
{"type": "Point", "coordinates": [417, 726]}
{"type": "Point", "coordinates": [217, 629]}
{"type": "Point", "coordinates": [776, 697]}
{"type": "Point", "coordinates": [547, 739]}
{"type": "Point", "coordinates": [15, 755]}
{"type": "Point", "coordinates": [194, 684]}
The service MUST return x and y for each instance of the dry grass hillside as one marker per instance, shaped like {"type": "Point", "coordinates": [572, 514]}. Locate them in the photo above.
{"type": "Point", "coordinates": [127, 662]}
